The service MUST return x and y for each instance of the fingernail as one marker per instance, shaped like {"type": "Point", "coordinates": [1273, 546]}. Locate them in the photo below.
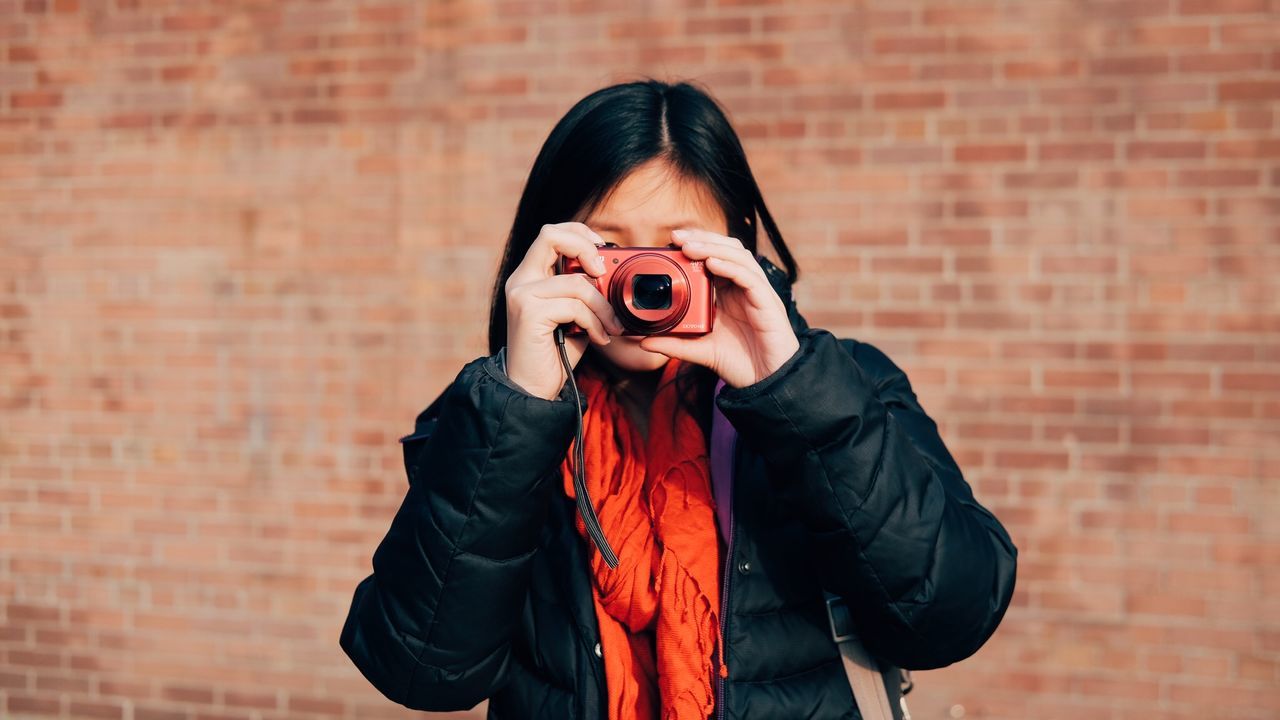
{"type": "Point", "coordinates": [682, 234]}
{"type": "Point", "coordinates": [693, 245]}
{"type": "Point", "coordinates": [600, 263]}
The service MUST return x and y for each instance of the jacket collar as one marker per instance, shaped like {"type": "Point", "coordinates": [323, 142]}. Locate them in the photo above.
{"type": "Point", "coordinates": [777, 277]}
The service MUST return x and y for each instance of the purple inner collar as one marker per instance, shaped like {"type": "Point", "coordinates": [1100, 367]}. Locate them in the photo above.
{"type": "Point", "coordinates": [723, 436]}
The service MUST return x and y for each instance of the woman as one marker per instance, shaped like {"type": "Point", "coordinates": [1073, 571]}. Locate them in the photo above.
{"type": "Point", "coordinates": [486, 586]}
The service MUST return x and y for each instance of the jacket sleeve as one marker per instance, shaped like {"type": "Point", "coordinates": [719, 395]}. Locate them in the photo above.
{"type": "Point", "coordinates": [927, 571]}
{"type": "Point", "coordinates": [431, 627]}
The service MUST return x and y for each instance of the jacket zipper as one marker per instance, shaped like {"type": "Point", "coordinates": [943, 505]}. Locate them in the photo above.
{"type": "Point", "coordinates": [722, 672]}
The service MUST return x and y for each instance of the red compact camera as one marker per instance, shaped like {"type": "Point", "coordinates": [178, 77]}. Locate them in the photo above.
{"type": "Point", "coordinates": [653, 290]}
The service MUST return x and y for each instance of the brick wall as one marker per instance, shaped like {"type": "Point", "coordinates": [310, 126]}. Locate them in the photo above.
{"type": "Point", "coordinates": [243, 243]}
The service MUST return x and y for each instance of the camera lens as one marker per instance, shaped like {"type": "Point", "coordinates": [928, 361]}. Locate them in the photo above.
{"type": "Point", "coordinates": [651, 292]}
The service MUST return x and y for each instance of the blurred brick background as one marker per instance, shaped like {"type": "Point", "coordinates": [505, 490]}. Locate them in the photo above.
{"type": "Point", "coordinates": [244, 243]}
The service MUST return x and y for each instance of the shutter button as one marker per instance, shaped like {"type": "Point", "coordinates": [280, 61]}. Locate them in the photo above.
{"type": "Point", "coordinates": [599, 653]}
{"type": "Point", "coordinates": [744, 567]}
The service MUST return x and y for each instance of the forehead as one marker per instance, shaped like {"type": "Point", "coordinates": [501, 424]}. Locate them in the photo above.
{"type": "Point", "coordinates": [654, 196]}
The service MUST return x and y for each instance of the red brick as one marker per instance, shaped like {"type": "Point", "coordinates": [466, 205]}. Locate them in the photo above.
{"type": "Point", "coordinates": [908, 100]}
{"type": "Point", "coordinates": [148, 713]}
{"type": "Point", "coordinates": [956, 237]}
{"type": "Point", "coordinates": [107, 711]}
{"type": "Point", "coordinates": [794, 23]}
{"type": "Point", "coordinates": [1042, 179]}
{"type": "Point", "coordinates": [991, 153]}
{"type": "Point", "coordinates": [34, 99]}
{"type": "Point", "coordinates": [1169, 150]}
{"type": "Point", "coordinates": [1136, 65]}
{"type": "Point", "coordinates": [1249, 91]}
{"type": "Point", "coordinates": [257, 700]}
{"type": "Point", "coordinates": [1078, 96]}
{"type": "Point", "coordinates": [1045, 68]}
{"type": "Point", "coordinates": [992, 42]}
{"type": "Point", "coordinates": [912, 45]}
{"type": "Point", "coordinates": [1250, 149]}
{"type": "Point", "coordinates": [190, 22]}
{"type": "Point", "coordinates": [21, 704]}
{"type": "Point", "coordinates": [187, 694]}
{"type": "Point", "coordinates": [888, 237]}
{"type": "Point", "coordinates": [1029, 460]}
{"type": "Point", "coordinates": [1251, 381]}
{"type": "Point", "coordinates": [708, 26]}
{"type": "Point", "coordinates": [991, 208]}
{"type": "Point", "coordinates": [1223, 7]}
{"type": "Point", "coordinates": [1220, 178]}
{"type": "Point", "coordinates": [315, 706]}
{"type": "Point", "coordinates": [1076, 152]}
{"type": "Point", "coordinates": [1170, 36]}
{"type": "Point", "coordinates": [1220, 62]}
{"type": "Point", "coordinates": [1146, 691]}
{"type": "Point", "coordinates": [1248, 33]}
{"type": "Point", "coordinates": [384, 13]}
{"type": "Point", "coordinates": [318, 66]}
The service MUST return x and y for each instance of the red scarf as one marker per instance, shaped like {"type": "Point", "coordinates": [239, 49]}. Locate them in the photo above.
{"type": "Point", "coordinates": [658, 611]}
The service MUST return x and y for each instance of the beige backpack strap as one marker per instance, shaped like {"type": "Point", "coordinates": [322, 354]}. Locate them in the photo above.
{"type": "Point", "coordinates": [878, 697]}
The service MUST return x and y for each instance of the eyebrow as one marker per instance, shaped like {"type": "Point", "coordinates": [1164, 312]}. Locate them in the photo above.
{"type": "Point", "coordinates": [672, 226]}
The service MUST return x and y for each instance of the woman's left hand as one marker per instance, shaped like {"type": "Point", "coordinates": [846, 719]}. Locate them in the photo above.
{"type": "Point", "coordinates": [752, 336]}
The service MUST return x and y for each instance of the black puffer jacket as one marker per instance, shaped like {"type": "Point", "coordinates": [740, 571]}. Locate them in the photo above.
{"type": "Point", "coordinates": [481, 587]}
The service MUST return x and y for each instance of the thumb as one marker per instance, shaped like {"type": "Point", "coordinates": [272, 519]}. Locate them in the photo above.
{"type": "Point", "coordinates": [682, 349]}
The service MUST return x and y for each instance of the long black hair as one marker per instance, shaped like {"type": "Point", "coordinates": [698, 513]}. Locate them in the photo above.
{"type": "Point", "coordinates": [605, 136]}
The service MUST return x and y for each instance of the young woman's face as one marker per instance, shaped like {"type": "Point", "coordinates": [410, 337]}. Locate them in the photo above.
{"type": "Point", "coordinates": [642, 211]}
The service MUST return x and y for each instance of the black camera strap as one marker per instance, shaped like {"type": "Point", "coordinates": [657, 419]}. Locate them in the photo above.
{"type": "Point", "coordinates": [585, 507]}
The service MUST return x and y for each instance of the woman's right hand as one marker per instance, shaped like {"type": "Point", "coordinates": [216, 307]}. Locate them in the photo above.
{"type": "Point", "coordinates": [539, 300]}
